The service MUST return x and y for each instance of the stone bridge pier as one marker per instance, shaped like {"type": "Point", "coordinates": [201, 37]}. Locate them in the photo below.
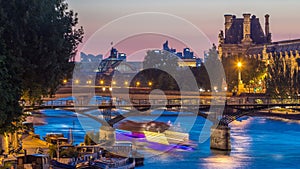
{"type": "Point", "coordinates": [220, 138]}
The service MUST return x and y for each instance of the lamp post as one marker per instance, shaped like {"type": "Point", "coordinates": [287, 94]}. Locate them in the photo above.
{"type": "Point", "coordinates": [240, 82]}
{"type": "Point", "coordinates": [239, 65]}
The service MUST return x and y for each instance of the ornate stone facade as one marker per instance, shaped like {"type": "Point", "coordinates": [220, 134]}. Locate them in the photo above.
{"type": "Point", "coordinates": [244, 37]}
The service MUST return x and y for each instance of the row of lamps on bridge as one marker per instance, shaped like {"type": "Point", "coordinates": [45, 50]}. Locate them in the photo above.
{"type": "Point", "coordinates": [137, 84]}
{"type": "Point", "coordinates": [114, 83]}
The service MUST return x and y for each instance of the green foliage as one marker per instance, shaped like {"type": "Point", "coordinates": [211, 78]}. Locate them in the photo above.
{"type": "Point", "coordinates": [38, 38]}
{"type": "Point", "coordinates": [282, 80]}
{"type": "Point", "coordinates": [10, 90]}
{"type": "Point", "coordinates": [69, 152]}
{"type": "Point", "coordinates": [214, 67]}
{"type": "Point", "coordinates": [160, 67]}
{"type": "Point", "coordinates": [53, 151]}
{"type": "Point", "coordinates": [41, 35]}
{"type": "Point", "coordinates": [162, 60]}
{"type": "Point", "coordinates": [202, 78]}
{"type": "Point", "coordinates": [252, 70]}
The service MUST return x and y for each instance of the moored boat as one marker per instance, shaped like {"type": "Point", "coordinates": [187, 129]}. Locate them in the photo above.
{"type": "Point", "coordinates": [56, 138]}
{"type": "Point", "coordinates": [154, 131]}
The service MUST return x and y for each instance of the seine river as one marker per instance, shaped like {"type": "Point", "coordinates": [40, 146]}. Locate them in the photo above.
{"type": "Point", "coordinates": [257, 142]}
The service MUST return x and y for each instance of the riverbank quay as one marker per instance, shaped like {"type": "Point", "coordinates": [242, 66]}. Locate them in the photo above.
{"type": "Point", "coordinates": [278, 114]}
{"type": "Point", "coordinates": [30, 144]}
{"type": "Point", "coordinates": [35, 153]}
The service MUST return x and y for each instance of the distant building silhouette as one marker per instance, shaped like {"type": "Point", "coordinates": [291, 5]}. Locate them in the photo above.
{"type": "Point", "coordinates": [122, 56]}
{"type": "Point", "coordinates": [187, 57]}
{"type": "Point", "coordinates": [115, 62]}
{"type": "Point", "coordinates": [115, 54]}
{"type": "Point", "coordinates": [90, 58]}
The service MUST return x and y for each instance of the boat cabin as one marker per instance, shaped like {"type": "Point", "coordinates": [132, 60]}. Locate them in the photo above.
{"type": "Point", "coordinates": [40, 161]}
{"type": "Point", "coordinates": [56, 139]}
{"type": "Point", "coordinates": [88, 152]}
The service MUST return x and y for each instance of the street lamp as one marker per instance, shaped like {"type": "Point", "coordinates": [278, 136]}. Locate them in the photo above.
{"type": "Point", "coordinates": [65, 81]}
{"type": "Point", "coordinates": [76, 81]}
{"type": "Point", "coordinates": [239, 65]}
{"type": "Point", "coordinates": [138, 83]}
{"type": "Point", "coordinates": [89, 82]}
{"type": "Point", "coordinates": [240, 82]}
{"type": "Point", "coordinates": [150, 84]}
{"type": "Point", "coordinates": [101, 82]}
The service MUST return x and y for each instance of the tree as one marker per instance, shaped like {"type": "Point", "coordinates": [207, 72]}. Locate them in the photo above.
{"type": "Point", "coordinates": [214, 67]}
{"type": "Point", "coordinates": [163, 60]}
{"type": "Point", "coordinates": [160, 67]}
{"type": "Point", "coordinates": [38, 40]}
{"type": "Point", "coordinates": [10, 91]}
{"type": "Point", "coordinates": [202, 78]}
{"type": "Point", "coordinates": [253, 71]}
{"type": "Point", "coordinates": [282, 80]}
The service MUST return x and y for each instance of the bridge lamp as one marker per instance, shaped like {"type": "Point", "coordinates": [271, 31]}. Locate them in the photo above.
{"type": "Point", "coordinates": [101, 82]}
{"type": "Point", "coordinates": [225, 88]}
{"type": "Point", "coordinates": [76, 81]}
{"type": "Point", "coordinates": [215, 88]}
{"type": "Point", "coordinates": [89, 82]}
{"type": "Point", "coordinates": [65, 81]}
{"type": "Point", "coordinates": [138, 83]}
{"type": "Point", "coordinates": [149, 83]}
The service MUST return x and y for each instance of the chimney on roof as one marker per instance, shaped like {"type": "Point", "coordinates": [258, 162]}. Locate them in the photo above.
{"type": "Point", "coordinates": [228, 22]}
{"type": "Point", "coordinates": [267, 28]}
{"type": "Point", "coordinates": [247, 28]}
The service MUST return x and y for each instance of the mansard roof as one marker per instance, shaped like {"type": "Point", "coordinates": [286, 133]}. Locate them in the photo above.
{"type": "Point", "coordinates": [235, 32]}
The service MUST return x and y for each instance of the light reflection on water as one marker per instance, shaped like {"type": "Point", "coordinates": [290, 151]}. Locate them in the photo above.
{"type": "Point", "coordinates": [256, 143]}
{"type": "Point", "coordinates": [222, 161]}
{"type": "Point", "coordinates": [240, 142]}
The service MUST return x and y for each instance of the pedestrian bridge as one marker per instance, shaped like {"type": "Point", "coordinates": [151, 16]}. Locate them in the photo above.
{"type": "Point", "coordinates": [232, 110]}
{"type": "Point", "coordinates": [220, 114]}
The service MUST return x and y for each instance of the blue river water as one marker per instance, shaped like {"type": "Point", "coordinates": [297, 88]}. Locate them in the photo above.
{"type": "Point", "coordinates": [257, 142]}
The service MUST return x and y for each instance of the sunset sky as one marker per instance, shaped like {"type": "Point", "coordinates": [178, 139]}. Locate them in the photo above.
{"type": "Point", "coordinates": [207, 16]}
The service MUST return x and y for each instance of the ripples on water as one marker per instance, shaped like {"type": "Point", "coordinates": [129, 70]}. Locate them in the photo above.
{"type": "Point", "coordinates": [256, 143]}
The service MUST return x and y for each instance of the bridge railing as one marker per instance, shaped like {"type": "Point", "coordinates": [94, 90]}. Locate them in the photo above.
{"type": "Point", "coordinates": [202, 101]}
